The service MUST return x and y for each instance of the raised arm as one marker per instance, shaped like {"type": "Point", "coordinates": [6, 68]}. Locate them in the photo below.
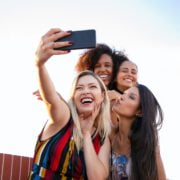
{"type": "Point", "coordinates": [97, 165]}
{"type": "Point", "coordinates": [56, 106]}
{"type": "Point", "coordinates": [113, 97]}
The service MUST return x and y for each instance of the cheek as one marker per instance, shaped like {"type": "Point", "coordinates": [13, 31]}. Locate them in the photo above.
{"type": "Point", "coordinates": [110, 69]}
{"type": "Point", "coordinates": [128, 110]}
{"type": "Point", "coordinates": [95, 70]}
{"type": "Point", "coordinates": [99, 97]}
{"type": "Point", "coordinates": [133, 109]}
{"type": "Point", "coordinates": [135, 78]}
{"type": "Point", "coordinates": [75, 98]}
{"type": "Point", "coordinates": [119, 78]}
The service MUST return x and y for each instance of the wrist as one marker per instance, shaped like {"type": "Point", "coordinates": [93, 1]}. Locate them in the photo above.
{"type": "Point", "coordinates": [38, 63]}
{"type": "Point", "coordinates": [86, 134]}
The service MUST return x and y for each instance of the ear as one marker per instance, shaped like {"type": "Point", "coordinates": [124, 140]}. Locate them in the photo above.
{"type": "Point", "coordinates": [139, 113]}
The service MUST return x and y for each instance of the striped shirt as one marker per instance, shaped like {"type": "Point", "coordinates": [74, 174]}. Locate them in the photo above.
{"type": "Point", "coordinates": [58, 158]}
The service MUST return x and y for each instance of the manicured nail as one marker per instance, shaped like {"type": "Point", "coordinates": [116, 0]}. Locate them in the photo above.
{"type": "Point", "coordinates": [71, 42]}
{"type": "Point", "coordinates": [70, 31]}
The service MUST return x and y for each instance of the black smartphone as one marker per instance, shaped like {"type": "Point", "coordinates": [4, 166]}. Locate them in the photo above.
{"type": "Point", "coordinates": [83, 39]}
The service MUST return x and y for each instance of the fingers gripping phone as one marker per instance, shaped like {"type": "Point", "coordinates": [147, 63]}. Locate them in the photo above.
{"type": "Point", "coordinates": [83, 39]}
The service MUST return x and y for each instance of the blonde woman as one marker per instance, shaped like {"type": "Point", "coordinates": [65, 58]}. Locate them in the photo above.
{"type": "Point", "coordinates": [74, 142]}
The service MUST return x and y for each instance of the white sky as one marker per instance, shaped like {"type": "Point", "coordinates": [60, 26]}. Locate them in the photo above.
{"type": "Point", "coordinates": [148, 31]}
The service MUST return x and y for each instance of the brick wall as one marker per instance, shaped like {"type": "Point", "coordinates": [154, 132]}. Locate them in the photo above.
{"type": "Point", "coordinates": [13, 167]}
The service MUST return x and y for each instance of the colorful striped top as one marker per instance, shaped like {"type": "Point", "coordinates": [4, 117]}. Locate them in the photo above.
{"type": "Point", "coordinates": [58, 158]}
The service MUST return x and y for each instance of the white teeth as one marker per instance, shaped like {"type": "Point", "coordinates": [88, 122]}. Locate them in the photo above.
{"type": "Point", "coordinates": [129, 80]}
{"type": "Point", "coordinates": [86, 100]}
{"type": "Point", "coordinates": [103, 76]}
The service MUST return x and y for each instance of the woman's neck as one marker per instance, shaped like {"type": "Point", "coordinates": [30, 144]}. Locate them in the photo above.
{"type": "Point", "coordinates": [124, 127]}
{"type": "Point", "coordinates": [120, 88]}
{"type": "Point", "coordinates": [120, 140]}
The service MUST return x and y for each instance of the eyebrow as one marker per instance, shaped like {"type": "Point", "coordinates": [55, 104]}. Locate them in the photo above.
{"type": "Point", "coordinates": [87, 84]}
{"type": "Point", "coordinates": [127, 68]}
{"type": "Point", "coordinates": [106, 62]}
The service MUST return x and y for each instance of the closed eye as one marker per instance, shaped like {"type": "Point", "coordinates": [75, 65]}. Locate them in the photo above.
{"type": "Point", "coordinates": [124, 70]}
{"type": "Point", "coordinates": [93, 87]}
{"type": "Point", "coordinates": [132, 97]}
{"type": "Point", "coordinates": [134, 72]}
{"type": "Point", "coordinates": [108, 65]}
{"type": "Point", "coordinates": [79, 88]}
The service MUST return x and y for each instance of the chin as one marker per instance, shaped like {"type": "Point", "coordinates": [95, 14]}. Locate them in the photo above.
{"type": "Point", "coordinates": [86, 111]}
{"type": "Point", "coordinates": [106, 82]}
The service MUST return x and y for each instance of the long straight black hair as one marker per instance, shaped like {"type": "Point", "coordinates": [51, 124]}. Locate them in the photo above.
{"type": "Point", "coordinates": [144, 137]}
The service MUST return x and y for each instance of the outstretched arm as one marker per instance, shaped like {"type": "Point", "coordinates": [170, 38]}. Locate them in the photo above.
{"type": "Point", "coordinates": [56, 106]}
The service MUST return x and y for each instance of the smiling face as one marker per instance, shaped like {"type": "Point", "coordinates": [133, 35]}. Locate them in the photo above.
{"type": "Point", "coordinates": [87, 94]}
{"type": "Point", "coordinates": [127, 75]}
{"type": "Point", "coordinates": [128, 104]}
{"type": "Point", "coordinates": [104, 68]}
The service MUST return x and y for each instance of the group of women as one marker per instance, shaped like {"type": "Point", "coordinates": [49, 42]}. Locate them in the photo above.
{"type": "Point", "coordinates": [109, 127]}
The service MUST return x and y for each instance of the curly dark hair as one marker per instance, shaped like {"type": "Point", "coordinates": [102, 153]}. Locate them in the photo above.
{"type": "Point", "coordinates": [90, 58]}
{"type": "Point", "coordinates": [144, 137]}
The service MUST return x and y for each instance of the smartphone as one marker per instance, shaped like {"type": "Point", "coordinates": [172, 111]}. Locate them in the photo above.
{"type": "Point", "coordinates": [83, 39]}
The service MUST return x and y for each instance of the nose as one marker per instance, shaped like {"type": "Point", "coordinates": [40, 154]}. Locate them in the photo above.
{"type": "Point", "coordinates": [129, 73]}
{"type": "Point", "coordinates": [119, 100]}
{"type": "Point", "coordinates": [86, 90]}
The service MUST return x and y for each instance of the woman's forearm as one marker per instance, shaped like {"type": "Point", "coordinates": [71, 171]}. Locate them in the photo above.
{"type": "Point", "coordinates": [46, 85]}
{"type": "Point", "coordinates": [95, 168]}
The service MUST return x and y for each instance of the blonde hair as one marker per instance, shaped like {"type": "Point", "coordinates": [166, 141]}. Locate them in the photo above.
{"type": "Point", "coordinates": [103, 118]}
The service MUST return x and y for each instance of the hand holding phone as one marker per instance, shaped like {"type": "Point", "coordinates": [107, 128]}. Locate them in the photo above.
{"type": "Point", "coordinates": [80, 40]}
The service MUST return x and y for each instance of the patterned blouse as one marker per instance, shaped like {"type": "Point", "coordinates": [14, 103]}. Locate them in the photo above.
{"type": "Point", "coordinates": [120, 167]}
{"type": "Point", "coordinates": [58, 158]}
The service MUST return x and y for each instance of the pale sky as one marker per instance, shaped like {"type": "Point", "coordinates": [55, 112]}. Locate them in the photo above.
{"type": "Point", "coordinates": [148, 32]}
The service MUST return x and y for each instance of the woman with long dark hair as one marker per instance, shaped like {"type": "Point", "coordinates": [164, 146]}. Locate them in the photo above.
{"type": "Point", "coordinates": [134, 142]}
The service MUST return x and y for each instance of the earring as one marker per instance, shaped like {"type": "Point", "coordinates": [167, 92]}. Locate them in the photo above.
{"type": "Point", "coordinates": [138, 115]}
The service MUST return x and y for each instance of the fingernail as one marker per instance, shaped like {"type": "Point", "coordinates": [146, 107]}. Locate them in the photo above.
{"type": "Point", "coordinates": [71, 43]}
